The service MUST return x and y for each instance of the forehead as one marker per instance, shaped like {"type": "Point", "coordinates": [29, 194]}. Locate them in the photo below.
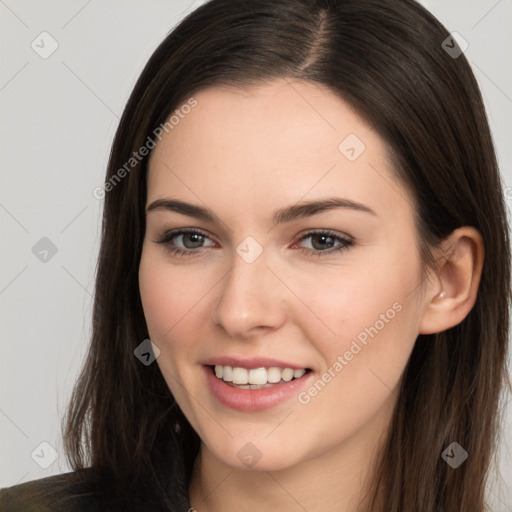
{"type": "Point", "coordinates": [302, 115]}
{"type": "Point", "coordinates": [272, 144]}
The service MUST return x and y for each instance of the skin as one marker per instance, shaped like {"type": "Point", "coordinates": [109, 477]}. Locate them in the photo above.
{"type": "Point", "coordinates": [244, 154]}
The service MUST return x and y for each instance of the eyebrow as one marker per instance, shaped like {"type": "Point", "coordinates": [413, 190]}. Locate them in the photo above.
{"type": "Point", "coordinates": [280, 216]}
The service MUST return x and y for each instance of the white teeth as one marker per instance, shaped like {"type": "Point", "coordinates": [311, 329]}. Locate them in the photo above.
{"type": "Point", "coordinates": [274, 375]}
{"type": "Point", "coordinates": [227, 373]}
{"type": "Point", "coordinates": [287, 374]}
{"type": "Point", "coordinates": [257, 376]}
{"type": "Point", "coordinates": [297, 374]}
{"type": "Point", "coordinates": [240, 375]}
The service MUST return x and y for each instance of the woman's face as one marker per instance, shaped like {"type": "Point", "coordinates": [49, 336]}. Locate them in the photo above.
{"type": "Point", "coordinates": [303, 255]}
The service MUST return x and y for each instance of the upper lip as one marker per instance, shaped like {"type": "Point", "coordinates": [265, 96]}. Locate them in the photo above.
{"type": "Point", "coordinates": [252, 362]}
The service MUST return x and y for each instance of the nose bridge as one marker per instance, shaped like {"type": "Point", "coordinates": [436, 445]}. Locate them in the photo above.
{"type": "Point", "coordinates": [249, 298]}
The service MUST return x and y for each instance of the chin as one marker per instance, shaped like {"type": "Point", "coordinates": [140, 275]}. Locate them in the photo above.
{"type": "Point", "coordinates": [260, 454]}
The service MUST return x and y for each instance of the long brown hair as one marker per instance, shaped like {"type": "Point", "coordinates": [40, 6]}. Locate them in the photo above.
{"type": "Point", "coordinates": [386, 58]}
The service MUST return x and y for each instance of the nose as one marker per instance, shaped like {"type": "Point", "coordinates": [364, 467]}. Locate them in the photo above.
{"type": "Point", "coordinates": [252, 300]}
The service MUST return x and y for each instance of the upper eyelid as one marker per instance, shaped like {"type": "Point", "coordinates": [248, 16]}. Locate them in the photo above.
{"type": "Point", "coordinates": [185, 231]}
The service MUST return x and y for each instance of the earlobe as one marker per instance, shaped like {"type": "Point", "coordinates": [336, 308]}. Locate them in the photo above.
{"type": "Point", "coordinates": [452, 294]}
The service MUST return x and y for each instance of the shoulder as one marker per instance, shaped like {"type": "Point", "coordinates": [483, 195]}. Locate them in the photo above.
{"type": "Point", "coordinates": [69, 492]}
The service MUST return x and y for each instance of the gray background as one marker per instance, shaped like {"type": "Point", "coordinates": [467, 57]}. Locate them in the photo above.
{"type": "Point", "coordinates": [58, 117]}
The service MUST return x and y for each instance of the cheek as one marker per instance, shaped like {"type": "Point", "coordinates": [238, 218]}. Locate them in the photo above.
{"type": "Point", "coordinates": [364, 328]}
{"type": "Point", "coordinates": [362, 365]}
{"type": "Point", "coordinates": [172, 304]}
{"type": "Point", "coordinates": [360, 300]}
{"type": "Point", "coordinates": [169, 295]}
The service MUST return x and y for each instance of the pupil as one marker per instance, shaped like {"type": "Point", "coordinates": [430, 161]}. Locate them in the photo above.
{"type": "Point", "coordinates": [196, 240]}
{"type": "Point", "coordinates": [326, 241]}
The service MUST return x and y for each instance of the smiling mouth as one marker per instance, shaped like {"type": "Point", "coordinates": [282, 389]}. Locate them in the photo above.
{"type": "Point", "coordinates": [257, 378]}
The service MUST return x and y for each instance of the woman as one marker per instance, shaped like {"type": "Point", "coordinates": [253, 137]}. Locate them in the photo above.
{"type": "Point", "coordinates": [303, 213]}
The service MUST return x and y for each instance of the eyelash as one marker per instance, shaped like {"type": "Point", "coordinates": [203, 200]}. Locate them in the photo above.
{"type": "Point", "coordinates": [166, 239]}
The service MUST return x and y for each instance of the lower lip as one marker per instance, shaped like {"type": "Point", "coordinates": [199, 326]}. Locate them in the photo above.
{"type": "Point", "coordinates": [252, 400]}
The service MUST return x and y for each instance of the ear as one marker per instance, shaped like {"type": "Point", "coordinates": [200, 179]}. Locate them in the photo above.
{"type": "Point", "coordinates": [451, 293]}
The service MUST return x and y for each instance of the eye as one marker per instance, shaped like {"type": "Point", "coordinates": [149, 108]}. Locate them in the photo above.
{"type": "Point", "coordinates": [324, 242]}
{"type": "Point", "coordinates": [189, 242]}
{"type": "Point", "coordinates": [185, 242]}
